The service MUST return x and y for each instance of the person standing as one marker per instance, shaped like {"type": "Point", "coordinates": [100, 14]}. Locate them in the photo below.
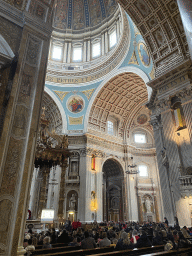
{"type": "Point", "coordinates": [166, 221]}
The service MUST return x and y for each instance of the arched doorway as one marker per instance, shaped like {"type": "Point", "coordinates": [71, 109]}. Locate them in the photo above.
{"type": "Point", "coordinates": [113, 191]}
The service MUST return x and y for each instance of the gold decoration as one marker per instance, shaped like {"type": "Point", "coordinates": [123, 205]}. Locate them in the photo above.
{"type": "Point", "coordinates": [88, 93]}
{"type": "Point", "coordinates": [133, 59]}
{"type": "Point", "coordinates": [75, 120]}
{"type": "Point", "coordinates": [136, 31]}
{"type": "Point", "coordinates": [61, 95]}
{"type": "Point", "coordinates": [152, 73]}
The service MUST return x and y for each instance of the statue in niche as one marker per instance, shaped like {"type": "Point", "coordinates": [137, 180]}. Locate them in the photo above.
{"type": "Point", "coordinates": [72, 202]}
{"type": "Point", "coordinates": [148, 205]}
{"type": "Point", "coordinates": [74, 169]}
{"type": "Point", "coordinates": [115, 203]}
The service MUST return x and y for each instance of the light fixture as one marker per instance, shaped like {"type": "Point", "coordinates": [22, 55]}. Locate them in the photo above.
{"type": "Point", "coordinates": [132, 168]}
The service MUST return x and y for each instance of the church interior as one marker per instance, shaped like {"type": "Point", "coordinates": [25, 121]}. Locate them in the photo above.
{"type": "Point", "coordinates": [95, 113]}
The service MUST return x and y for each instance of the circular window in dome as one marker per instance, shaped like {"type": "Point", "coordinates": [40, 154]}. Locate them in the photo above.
{"type": "Point", "coordinates": [143, 54]}
{"type": "Point", "coordinates": [142, 119]}
{"type": "Point", "coordinates": [75, 104]}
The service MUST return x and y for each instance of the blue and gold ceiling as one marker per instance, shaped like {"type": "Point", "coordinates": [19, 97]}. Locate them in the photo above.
{"type": "Point", "coordinates": [82, 14]}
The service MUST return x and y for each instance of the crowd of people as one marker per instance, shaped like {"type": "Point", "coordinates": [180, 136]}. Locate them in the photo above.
{"type": "Point", "coordinates": [121, 235]}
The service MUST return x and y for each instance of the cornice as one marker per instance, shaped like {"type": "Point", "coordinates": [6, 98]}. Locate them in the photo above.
{"type": "Point", "coordinates": [171, 74]}
{"type": "Point", "coordinates": [22, 18]}
{"type": "Point", "coordinates": [93, 140]}
{"type": "Point", "coordinates": [11, 13]}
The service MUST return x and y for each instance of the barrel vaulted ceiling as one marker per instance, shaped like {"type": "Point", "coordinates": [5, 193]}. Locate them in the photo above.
{"type": "Point", "coordinates": [120, 97]}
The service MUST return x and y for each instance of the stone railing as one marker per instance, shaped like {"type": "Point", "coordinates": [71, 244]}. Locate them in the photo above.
{"type": "Point", "coordinates": [186, 185]}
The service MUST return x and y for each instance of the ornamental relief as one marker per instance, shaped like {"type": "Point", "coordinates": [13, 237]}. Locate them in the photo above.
{"type": "Point", "coordinates": [5, 213]}
{"type": "Point", "coordinates": [33, 50]}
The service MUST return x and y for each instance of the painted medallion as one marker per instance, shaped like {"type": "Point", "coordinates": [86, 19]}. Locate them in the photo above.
{"type": "Point", "coordinates": [142, 119]}
{"type": "Point", "coordinates": [143, 54]}
{"type": "Point", "coordinates": [75, 104]}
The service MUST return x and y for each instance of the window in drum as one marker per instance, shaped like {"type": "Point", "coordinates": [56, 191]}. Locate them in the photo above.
{"type": "Point", "coordinates": [112, 39]}
{"type": "Point", "coordinates": [77, 53]}
{"type": "Point", "coordinates": [96, 50]}
{"type": "Point", "coordinates": [56, 52]}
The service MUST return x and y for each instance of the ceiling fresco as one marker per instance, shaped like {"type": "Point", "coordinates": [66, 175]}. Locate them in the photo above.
{"type": "Point", "coordinates": [82, 14]}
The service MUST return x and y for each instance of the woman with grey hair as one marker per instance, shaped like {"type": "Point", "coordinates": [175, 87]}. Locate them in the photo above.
{"type": "Point", "coordinates": [124, 242]}
{"type": "Point", "coordinates": [46, 243]}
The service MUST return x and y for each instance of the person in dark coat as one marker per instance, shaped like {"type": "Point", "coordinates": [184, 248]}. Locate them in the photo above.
{"type": "Point", "coordinates": [143, 241]}
{"type": "Point", "coordinates": [63, 238]}
{"type": "Point", "coordinates": [53, 236]}
{"type": "Point", "coordinates": [166, 221]}
{"type": "Point", "coordinates": [157, 239]}
{"type": "Point", "coordinates": [88, 242]}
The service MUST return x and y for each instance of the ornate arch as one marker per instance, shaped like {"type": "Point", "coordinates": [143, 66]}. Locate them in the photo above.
{"type": "Point", "coordinates": [121, 96]}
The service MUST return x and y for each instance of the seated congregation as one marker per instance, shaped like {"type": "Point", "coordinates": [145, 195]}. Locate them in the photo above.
{"type": "Point", "coordinates": [120, 236]}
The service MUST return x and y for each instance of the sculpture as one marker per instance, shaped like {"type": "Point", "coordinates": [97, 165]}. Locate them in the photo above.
{"type": "Point", "coordinates": [72, 202]}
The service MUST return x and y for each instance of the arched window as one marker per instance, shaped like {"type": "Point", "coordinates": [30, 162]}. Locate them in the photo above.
{"type": "Point", "coordinates": [110, 127]}
{"type": "Point", "coordinates": [139, 138]}
{"type": "Point", "coordinates": [143, 172]}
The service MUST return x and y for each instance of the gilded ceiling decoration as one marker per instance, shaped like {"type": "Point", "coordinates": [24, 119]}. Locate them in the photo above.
{"type": "Point", "coordinates": [120, 97]}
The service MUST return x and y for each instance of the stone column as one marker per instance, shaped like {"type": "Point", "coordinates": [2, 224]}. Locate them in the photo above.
{"type": "Point", "coordinates": [102, 44]}
{"type": "Point", "coordinates": [65, 53]}
{"type": "Point", "coordinates": [62, 191]}
{"type": "Point", "coordinates": [88, 50]}
{"type": "Point", "coordinates": [19, 135]}
{"type": "Point", "coordinates": [83, 184]}
{"type": "Point", "coordinates": [164, 172]}
{"type": "Point", "coordinates": [140, 211]}
{"type": "Point", "coordinates": [156, 209]}
{"type": "Point", "coordinates": [43, 201]}
{"type": "Point", "coordinates": [185, 8]}
{"type": "Point", "coordinates": [106, 42]}
{"type": "Point", "coordinates": [69, 53]}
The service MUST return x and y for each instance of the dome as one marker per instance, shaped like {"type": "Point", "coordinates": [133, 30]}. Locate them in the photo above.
{"type": "Point", "coordinates": [89, 39]}
{"type": "Point", "coordinates": [78, 15]}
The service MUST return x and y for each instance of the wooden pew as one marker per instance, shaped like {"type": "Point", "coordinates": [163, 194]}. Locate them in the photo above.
{"type": "Point", "coordinates": [180, 252]}
{"type": "Point", "coordinates": [80, 252]}
{"type": "Point", "coordinates": [139, 251]}
{"type": "Point", "coordinates": [55, 250]}
{"type": "Point", "coordinates": [37, 247]}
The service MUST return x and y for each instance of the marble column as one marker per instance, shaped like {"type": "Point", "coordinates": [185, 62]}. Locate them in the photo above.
{"type": "Point", "coordinates": [140, 211]}
{"type": "Point", "coordinates": [19, 136]}
{"type": "Point", "coordinates": [164, 170]}
{"type": "Point", "coordinates": [156, 209]}
{"type": "Point", "coordinates": [185, 8]}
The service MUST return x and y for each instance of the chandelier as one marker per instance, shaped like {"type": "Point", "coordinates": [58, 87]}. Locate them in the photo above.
{"type": "Point", "coordinates": [132, 168]}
